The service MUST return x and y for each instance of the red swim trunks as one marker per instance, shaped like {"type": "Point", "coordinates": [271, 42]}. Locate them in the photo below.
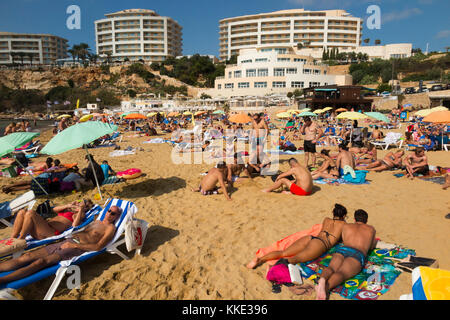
{"type": "Point", "coordinates": [295, 189]}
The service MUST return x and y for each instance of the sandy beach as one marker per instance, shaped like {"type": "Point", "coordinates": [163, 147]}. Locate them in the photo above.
{"type": "Point", "coordinates": [197, 246]}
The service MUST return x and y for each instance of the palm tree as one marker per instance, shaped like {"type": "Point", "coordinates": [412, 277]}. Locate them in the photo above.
{"type": "Point", "coordinates": [93, 58]}
{"type": "Point", "coordinates": [30, 55]}
{"type": "Point", "coordinates": [108, 57]}
{"type": "Point", "coordinates": [83, 51]}
{"type": "Point", "coordinates": [73, 52]}
{"type": "Point", "coordinates": [21, 55]}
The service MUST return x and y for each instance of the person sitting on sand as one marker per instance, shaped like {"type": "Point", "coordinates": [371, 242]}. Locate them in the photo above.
{"type": "Point", "coordinates": [31, 223]}
{"type": "Point", "coordinates": [308, 247]}
{"type": "Point", "coordinates": [208, 185]}
{"type": "Point", "coordinates": [377, 134]}
{"type": "Point", "coordinates": [107, 170]}
{"type": "Point", "coordinates": [11, 128]}
{"type": "Point", "coordinates": [345, 160]}
{"type": "Point", "coordinates": [94, 238]}
{"type": "Point", "coordinates": [416, 163]}
{"type": "Point", "coordinates": [348, 260]}
{"type": "Point", "coordinates": [390, 161]}
{"type": "Point", "coordinates": [235, 169]}
{"type": "Point", "coordinates": [328, 169]}
{"type": "Point", "coordinates": [301, 186]}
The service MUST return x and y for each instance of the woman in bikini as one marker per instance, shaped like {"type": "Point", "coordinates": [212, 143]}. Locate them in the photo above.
{"type": "Point", "coordinates": [390, 161]}
{"type": "Point", "coordinates": [31, 223]}
{"type": "Point", "coordinates": [368, 156]}
{"type": "Point", "coordinates": [309, 247]}
{"type": "Point", "coordinates": [328, 169]}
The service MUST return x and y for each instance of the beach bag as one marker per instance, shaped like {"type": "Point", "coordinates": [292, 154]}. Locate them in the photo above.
{"type": "Point", "coordinates": [279, 273]}
{"type": "Point", "coordinates": [360, 177]}
{"type": "Point", "coordinates": [45, 210]}
{"type": "Point", "coordinates": [44, 182]}
{"type": "Point", "coordinates": [66, 186]}
{"type": "Point", "coordinates": [133, 234]}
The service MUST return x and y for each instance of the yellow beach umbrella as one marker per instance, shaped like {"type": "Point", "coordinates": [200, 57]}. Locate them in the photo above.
{"type": "Point", "coordinates": [86, 118]}
{"type": "Point", "coordinates": [152, 114]}
{"type": "Point", "coordinates": [319, 111]}
{"type": "Point", "coordinates": [327, 109]}
{"type": "Point", "coordinates": [293, 111]}
{"type": "Point", "coordinates": [423, 113]}
{"type": "Point", "coordinates": [440, 108]}
{"type": "Point", "coordinates": [173, 114]}
{"type": "Point", "coordinates": [187, 113]}
{"type": "Point", "coordinates": [64, 116]}
{"type": "Point", "coordinates": [352, 115]}
{"type": "Point", "coordinates": [284, 115]}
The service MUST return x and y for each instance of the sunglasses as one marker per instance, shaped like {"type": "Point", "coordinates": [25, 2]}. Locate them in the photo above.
{"type": "Point", "coordinates": [113, 213]}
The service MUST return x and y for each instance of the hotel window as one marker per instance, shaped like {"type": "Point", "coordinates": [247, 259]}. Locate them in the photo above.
{"type": "Point", "coordinates": [291, 70]}
{"type": "Point", "coordinates": [261, 60]}
{"type": "Point", "coordinates": [283, 60]}
{"type": "Point", "coordinates": [243, 85]}
{"type": "Point", "coordinates": [251, 73]}
{"type": "Point", "coordinates": [247, 61]}
{"type": "Point", "coordinates": [299, 60]}
{"type": "Point", "coordinates": [230, 74]}
{"type": "Point", "coordinates": [238, 74]}
{"type": "Point", "coordinates": [279, 84]}
{"type": "Point", "coordinates": [316, 71]}
{"type": "Point", "coordinates": [297, 84]}
{"type": "Point", "coordinates": [278, 72]}
{"type": "Point", "coordinates": [314, 84]}
{"type": "Point", "coordinates": [281, 50]}
{"type": "Point", "coordinates": [260, 84]}
{"type": "Point", "coordinates": [306, 71]}
{"type": "Point", "coordinates": [229, 85]}
{"type": "Point", "coordinates": [263, 72]}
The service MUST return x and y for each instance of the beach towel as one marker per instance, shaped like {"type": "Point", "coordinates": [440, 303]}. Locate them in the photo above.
{"type": "Point", "coordinates": [430, 284]}
{"type": "Point", "coordinates": [156, 140]}
{"type": "Point", "coordinates": [280, 152]}
{"type": "Point", "coordinates": [286, 242]}
{"type": "Point", "coordinates": [120, 153]}
{"type": "Point", "coordinates": [363, 286]}
{"type": "Point", "coordinates": [111, 180]}
{"type": "Point", "coordinates": [338, 181]}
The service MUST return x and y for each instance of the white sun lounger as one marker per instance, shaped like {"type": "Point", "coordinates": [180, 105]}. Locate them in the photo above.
{"type": "Point", "coordinates": [27, 200]}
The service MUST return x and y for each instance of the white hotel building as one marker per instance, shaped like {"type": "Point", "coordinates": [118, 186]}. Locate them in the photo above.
{"type": "Point", "coordinates": [138, 34]}
{"type": "Point", "coordinates": [314, 29]}
{"type": "Point", "coordinates": [273, 70]}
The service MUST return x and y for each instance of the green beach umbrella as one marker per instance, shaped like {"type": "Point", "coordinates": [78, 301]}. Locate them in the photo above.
{"type": "Point", "coordinates": [378, 115]}
{"type": "Point", "coordinates": [307, 114]}
{"type": "Point", "coordinates": [219, 112]}
{"type": "Point", "coordinates": [78, 136]}
{"type": "Point", "coordinates": [15, 140]}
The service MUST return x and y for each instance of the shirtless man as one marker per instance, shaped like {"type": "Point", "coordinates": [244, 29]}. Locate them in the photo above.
{"type": "Point", "coordinates": [11, 128]}
{"type": "Point", "coordinates": [377, 134]}
{"type": "Point", "coordinates": [416, 162]}
{"type": "Point", "coordinates": [235, 169]}
{"type": "Point", "coordinates": [344, 158]}
{"type": "Point", "coordinates": [358, 239]}
{"type": "Point", "coordinates": [311, 132]}
{"type": "Point", "coordinates": [260, 131]}
{"type": "Point", "coordinates": [391, 160]}
{"type": "Point", "coordinates": [95, 237]}
{"type": "Point", "coordinates": [208, 185]}
{"type": "Point", "coordinates": [309, 248]}
{"type": "Point", "coordinates": [301, 186]}
{"type": "Point", "coordinates": [62, 124]}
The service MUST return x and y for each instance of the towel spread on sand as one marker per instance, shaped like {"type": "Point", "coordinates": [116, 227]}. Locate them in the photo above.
{"type": "Point", "coordinates": [119, 153]}
{"type": "Point", "coordinates": [286, 242]}
{"type": "Point", "coordinates": [285, 152]}
{"type": "Point", "coordinates": [155, 140]}
{"type": "Point", "coordinates": [336, 181]}
{"type": "Point", "coordinates": [358, 287]}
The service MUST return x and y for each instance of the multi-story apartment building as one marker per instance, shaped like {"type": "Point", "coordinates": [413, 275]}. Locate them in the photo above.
{"type": "Point", "coordinates": [138, 34]}
{"type": "Point", "coordinates": [31, 48]}
{"type": "Point", "coordinates": [313, 29]}
{"type": "Point", "coordinates": [277, 69]}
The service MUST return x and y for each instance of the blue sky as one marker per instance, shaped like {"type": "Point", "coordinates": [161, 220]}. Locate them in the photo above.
{"type": "Point", "coordinates": [415, 21]}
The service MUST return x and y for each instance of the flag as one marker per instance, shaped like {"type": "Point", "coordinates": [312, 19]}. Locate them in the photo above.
{"type": "Point", "coordinates": [78, 104]}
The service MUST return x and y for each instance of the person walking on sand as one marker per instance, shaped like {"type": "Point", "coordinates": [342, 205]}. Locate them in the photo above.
{"type": "Point", "coordinates": [358, 239]}
{"type": "Point", "coordinates": [301, 186]}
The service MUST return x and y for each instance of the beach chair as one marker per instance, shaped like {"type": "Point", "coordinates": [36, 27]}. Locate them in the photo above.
{"type": "Point", "coordinates": [31, 148]}
{"type": "Point", "coordinates": [60, 269]}
{"type": "Point", "coordinates": [392, 138]}
{"type": "Point", "coordinates": [27, 200]}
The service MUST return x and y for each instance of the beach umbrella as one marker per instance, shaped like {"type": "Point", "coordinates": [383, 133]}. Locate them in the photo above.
{"type": "Point", "coordinates": [327, 109]}
{"type": "Point", "coordinates": [440, 108]}
{"type": "Point", "coordinates": [351, 115]}
{"type": "Point", "coordinates": [173, 114]}
{"type": "Point", "coordinates": [293, 111]}
{"type": "Point", "coordinates": [307, 114]}
{"type": "Point", "coordinates": [125, 114]}
{"type": "Point", "coordinates": [318, 111]}
{"type": "Point", "coordinates": [341, 110]}
{"type": "Point", "coordinates": [152, 114]}
{"type": "Point", "coordinates": [86, 118]}
{"type": "Point", "coordinates": [423, 113]}
{"type": "Point", "coordinates": [187, 113]}
{"type": "Point", "coordinates": [198, 113]}
{"type": "Point", "coordinates": [305, 110]}
{"type": "Point", "coordinates": [378, 115]}
{"type": "Point", "coordinates": [284, 115]}
{"type": "Point", "coordinates": [15, 140]}
{"type": "Point", "coordinates": [219, 112]}
{"type": "Point", "coordinates": [78, 136]}
{"type": "Point", "coordinates": [240, 118]}
{"type": "Point", "coordinates": [64, 116]}
{"type": "Point", "coordinates": [438, 117]}
{"type": "Point", "coordinates": [135, 116]}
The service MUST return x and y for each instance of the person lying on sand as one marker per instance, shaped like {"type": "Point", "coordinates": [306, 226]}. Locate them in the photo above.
{"type": "Point", "coordinates": [309, 248]}
{"type": "Point", "coordinates": [95, 237]}
{"type": "Point", "coordinates": [301, 186]}
{"type": "Point", "coordinates": [235, 169]}
{"type": "Point", "coordinates": [368, 154]}
{"type": "Point", "coordinates": [348, 260]}
{"type": "Point", "coordinates": [208, 185]}
{"type": "Point", "coordinates": [390, 161]}
{"type": "Point", "coordinates": [416, 163]}
{"type": "Point", "coordinates": [447, 182]}
{"type": "Point", "coordinates": [328, 167]}
{"type": "Point", "coordinates": [31, 223]}
{"type": "Point", "coordinates": [41, 166]}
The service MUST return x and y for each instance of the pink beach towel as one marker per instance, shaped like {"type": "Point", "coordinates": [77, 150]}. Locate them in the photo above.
{"type": "Point", "coordinates": [286, 242]}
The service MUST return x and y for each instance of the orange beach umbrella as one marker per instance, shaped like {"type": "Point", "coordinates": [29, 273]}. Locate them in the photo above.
{"type": "Point", "coordinates": [438, 117]}
{"type": "Point", "coordinates": [135, 116]}
{"type": "Point", "coordinates": [240, 118]}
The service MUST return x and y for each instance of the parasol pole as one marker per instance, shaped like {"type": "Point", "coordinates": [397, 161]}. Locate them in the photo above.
{"type": "Point", "coordinates": [95, 174]}
{"type": "Point", "coordinates": [32, 178]}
